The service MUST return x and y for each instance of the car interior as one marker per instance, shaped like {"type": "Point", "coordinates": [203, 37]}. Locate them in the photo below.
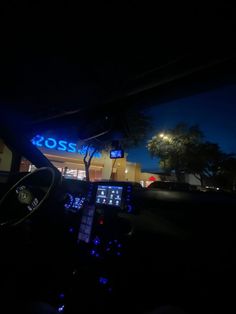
{"type": "Point", "coordinates": [66, 247]}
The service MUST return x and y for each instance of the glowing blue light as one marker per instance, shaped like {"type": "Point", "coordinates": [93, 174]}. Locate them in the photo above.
{"type": "Point", "coordinates": [72, 148]}
{"type": "Point", "coordinates": [97, 255]}
{"type": "Point", "coordinates": [130, 208]}
{"type": "Point", "coordinates": [61, 296]}
{"type": "Point", "coordinates": [96, 241]}
{"type": "Point", "coordinates": [118, 254]}
{"type": "Point", "coordinates": [61, 309]}
{"type": "Point", "coordinates": [62, 145]}
{"type": "Point", "coordinates": [37, 140]}
{"type": "Point", "coordinates": [103, 280]}
{"type": "Point", "coordinates": [51, 145]}
{"type": "Point", "coordinates": [92, 252]}
{"type": "Point", "coordinates": [71, 229]}
{"type": "Point", "coordinates": [119, 245]}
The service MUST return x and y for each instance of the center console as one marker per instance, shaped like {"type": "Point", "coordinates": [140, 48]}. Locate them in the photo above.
{"type": "Point", "coordinates": [102, 237]}
{"type": "Point", "coordinates": [100, 220]}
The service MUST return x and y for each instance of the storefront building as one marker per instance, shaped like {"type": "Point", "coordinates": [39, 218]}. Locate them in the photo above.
{"type": "Point", "coordinates": [68, 157]}
{"type": "Point", "coordinates": [70, 163]}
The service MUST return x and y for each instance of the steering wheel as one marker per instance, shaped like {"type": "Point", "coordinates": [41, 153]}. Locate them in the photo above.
{"type": "Point", "coordinates": [23, 249]}
{"type": "Point", "coordinates": [27, 196]}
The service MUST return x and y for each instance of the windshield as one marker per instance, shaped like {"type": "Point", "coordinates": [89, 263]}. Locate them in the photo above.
{"type": "Point", "coordinates": [189, 140]}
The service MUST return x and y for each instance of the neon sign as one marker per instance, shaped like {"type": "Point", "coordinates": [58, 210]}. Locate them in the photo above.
{"type": "Point", "coordinates": [62, 145]}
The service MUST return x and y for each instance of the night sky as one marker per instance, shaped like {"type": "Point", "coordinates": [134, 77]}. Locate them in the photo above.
{"type": "Point", "coordinates": [214, 112]}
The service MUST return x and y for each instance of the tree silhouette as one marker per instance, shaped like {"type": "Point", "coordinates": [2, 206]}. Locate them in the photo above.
{"type": "Point", "coordinates": [183, 149]}
{"type": "Point", "coordinates": [133, 126]}
{"type": "Point", "coordinates": [171, 147]}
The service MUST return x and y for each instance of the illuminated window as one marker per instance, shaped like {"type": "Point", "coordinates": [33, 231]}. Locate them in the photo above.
{"type": "Point", "coordinates": [81, 174]}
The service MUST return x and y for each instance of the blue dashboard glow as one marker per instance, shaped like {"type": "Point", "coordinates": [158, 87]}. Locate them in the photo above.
{"type": "Point", "coordinates": [76, 203]}
{"type": "Point", "coordinates": [130, 208]}
{"type": "Point", "coordinates": [73, 202]}
{"type": "Point", "coordinates": [61, 295]}
{"type": "Point", "coordinates": [69, 202]}
{"type": "Point", "coordinates": [97, 241]}
{"type": "Point", "coordinates": [92, 252]}
{"type": "Point", "coordinates": [62, 145]}
{"type": "Point", "coordinates": [103, 280]}
{"type": "Point", "coordinates": [61, 309]}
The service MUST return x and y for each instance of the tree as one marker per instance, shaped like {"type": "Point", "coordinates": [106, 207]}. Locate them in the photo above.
{"type": "Point", "coordinates": [133, 125]}
{"type": "Point", "coordinates": [89, 149]}
{"type": "Point", "coordinates": [172, 147]}
{"type": "Point", "coordinates": [226, 177]}
{"type": "Point", "coordinates": [184, 150]}
{"type": "Point", "coordinates": [204, 160]}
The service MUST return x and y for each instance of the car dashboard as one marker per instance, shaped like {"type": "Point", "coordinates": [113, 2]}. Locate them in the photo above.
{"type": "Point", "coordinates": [123, 237]}
{"type": "Point", "coordinates": [117, 240]}
{"type": "Point", "coordinates": [92, 215]}
{"type": "Point", "coordinates": [98, 234]}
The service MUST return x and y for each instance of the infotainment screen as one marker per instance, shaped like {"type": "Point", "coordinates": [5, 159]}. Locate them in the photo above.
{"type": "Point", "coordinates": [109, 195]}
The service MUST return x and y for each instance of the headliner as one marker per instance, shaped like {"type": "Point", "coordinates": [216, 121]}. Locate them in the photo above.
{"type": "Point", "coordinates": [55, 73]}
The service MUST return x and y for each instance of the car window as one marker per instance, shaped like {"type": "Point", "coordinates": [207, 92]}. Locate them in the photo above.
{"type": "Point", "coordinates": [5, 157]}
{"type": "Point", "coordinates": [26, 165]}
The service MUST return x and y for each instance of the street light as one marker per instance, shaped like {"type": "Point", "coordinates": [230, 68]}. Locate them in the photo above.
{"type": "Point", "coordinates": [165, 137]}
